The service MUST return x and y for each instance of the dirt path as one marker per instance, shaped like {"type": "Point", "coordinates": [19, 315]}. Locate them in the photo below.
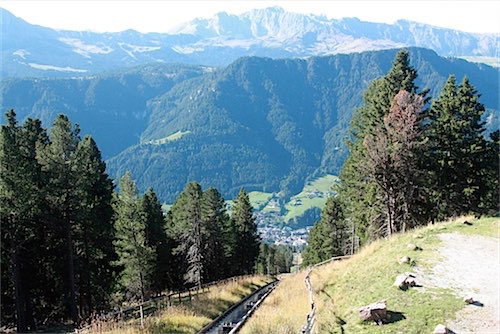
{"type": "Point", "coordinates": [471, 267]}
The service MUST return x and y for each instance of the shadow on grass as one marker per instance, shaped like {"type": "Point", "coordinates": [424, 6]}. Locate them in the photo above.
{"type": "Point", "coordinates": [394, 317]}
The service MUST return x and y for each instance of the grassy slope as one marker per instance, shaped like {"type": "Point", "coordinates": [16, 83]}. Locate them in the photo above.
{"type": "Point", "coordinates": [342, 287]}
{"type": "Point", "coordinates": [190, 317]}
{"type": "Point", "coordinates": [323, 184]}
{"type": "Point", "coordinates": [260, 200]}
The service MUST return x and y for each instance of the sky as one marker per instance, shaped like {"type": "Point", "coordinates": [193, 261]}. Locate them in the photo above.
{"type": "Point", "coordinates": [162, 16]}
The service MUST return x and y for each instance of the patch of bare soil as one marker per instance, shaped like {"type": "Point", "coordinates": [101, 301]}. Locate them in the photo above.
{"type": "Point", "coordinates": [470, 266]}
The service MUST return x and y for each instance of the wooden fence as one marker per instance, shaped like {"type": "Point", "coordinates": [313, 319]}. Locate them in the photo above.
{"type": "Point", "coordinates": [308, 327]}
{"type": "Point", "coordinates": [142, 310]}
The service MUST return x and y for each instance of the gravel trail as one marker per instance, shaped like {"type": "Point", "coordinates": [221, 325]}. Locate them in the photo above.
{"type": "Point", "coordinates": [470, 265]}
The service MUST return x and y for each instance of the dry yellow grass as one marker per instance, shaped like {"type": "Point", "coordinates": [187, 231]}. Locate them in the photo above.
{"type": "Point", "coordinates": [284, 311]}
{"type": "Point", "coordinates": [189, 317]}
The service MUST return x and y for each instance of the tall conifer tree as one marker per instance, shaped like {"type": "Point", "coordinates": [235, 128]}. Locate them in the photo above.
{"type": "Point", "coordinates": [362, 194]}
{"type": "Point", "coordinates": [330, 236]}
{"type": "Point", "coordinates": [134, 255]}
{"type": "Point", "coordinates": [20, 215]}
{"type": "Point", "coordinates": [247, 245]}
{"type": "Point", "coordinates": [156, 238]}
{"type": "Point", "coordinates": [188, 228]}
{"type": "Point", "coordinates": [58, 160]}
{"type": "Point", "coordinates": [214, 217]}
{"type": "Point", "coordinates": [94, 231]}
{"type": "Point", "coordinates": [392, 162]}
{"type": "Point", "coordinates": [456, 150]}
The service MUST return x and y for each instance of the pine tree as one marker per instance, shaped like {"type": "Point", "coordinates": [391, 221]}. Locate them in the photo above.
{"type": "Point", "coordinates": [262, 259]}
{"type": "Point", "coordinates": [188, 228]}
{"type": "Point", "coordinates": [94, 231]}
{"type": "Point", "coordinates": [362, 194]}
{"type": "Point", "coordinates": [156, 238]}
{"type": "Point", "coordinates": [490, 200]}
{"type": "Point", "coordinates": [329, 236]}
{"type": "Point", "coordinates": [392, 161]}
{"type": "Point", "coordinates": [247, 245]}
{"type": "Point", "coordinates": [134, 255]}
{"type": "Point", "coordinates": [214, 217]}
{"type": "Point", "coordinates": [58, 161]}
{"type": "Point", "coordinates": [456, 150]}
{"type": "Point", "coordinates": [20, 215]}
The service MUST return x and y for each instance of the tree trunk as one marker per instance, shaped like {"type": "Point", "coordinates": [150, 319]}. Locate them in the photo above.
{"type": "Point", "coordinates": [87, 273]}
{"type": "Point", "coordinates": [71, 274]}
{"type": "Point", "coordinates": [141, 277]}
{"type": "Point", "coordinates": [20, 294]}
{"type": "Point", "coordinates": [390, 214]}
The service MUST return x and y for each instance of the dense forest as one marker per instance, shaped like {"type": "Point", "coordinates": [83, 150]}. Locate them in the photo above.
{"type": "Point", "coordinates": [71, 246]}
{"type": "Point", "coordinates": [412, 161]}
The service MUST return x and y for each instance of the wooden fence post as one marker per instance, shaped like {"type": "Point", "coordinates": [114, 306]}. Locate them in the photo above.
{"type": "Point", "coordinates": [142, 316]}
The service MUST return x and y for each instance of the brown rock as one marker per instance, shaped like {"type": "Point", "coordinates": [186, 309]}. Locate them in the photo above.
{"type": "Point", "coordinates": [374, 312]}
{"type": "Point", "coordinates": [440, 329]}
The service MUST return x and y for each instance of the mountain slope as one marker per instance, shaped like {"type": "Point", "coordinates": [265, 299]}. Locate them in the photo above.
{"type": "Point", "coordinates": [110, 106]}
{"type": "Point", "coordinates": [30, 50]}
{"type": "Point", "coordinates": [267, 124]}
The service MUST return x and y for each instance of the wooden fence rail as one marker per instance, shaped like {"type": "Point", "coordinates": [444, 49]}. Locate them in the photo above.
{"type": "Point", "coordinates": [308, 327]}
{"type": "Point", "coordinates": [142, 310]}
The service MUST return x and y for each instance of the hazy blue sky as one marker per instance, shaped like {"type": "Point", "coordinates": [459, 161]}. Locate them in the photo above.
{"type": "Point", "coordinates": [161, 16]}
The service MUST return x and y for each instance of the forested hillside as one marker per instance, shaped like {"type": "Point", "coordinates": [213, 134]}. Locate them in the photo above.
{"type": "Point", "coordinates": [269, 124]}
{"type": "Point", "coordinates": [258, 123]}
{"type": "Point", "coordinates": [111, 106]}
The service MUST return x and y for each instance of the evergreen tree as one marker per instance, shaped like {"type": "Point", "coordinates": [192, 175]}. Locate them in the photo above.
{"type": "Point", "coordinates": [58, 161]}
{"type": "Point", "coordinates": [94, 232]}
{"type": "Point", "coordinates": [247, 245]}
{"type": "Point", "coordinates": [156, 238]}
{"type": "Point", "coordinates": [188, 229]}
{"type": "Point", "coordinates": [392, 161]}
{"type": "Point", "coordinates": [456, 150]}
{"type": "Point", "coordinates": [214, 217]}
{"type": "Point", "coordinates": [134, 255]}
{"type": "Point", "coordinates": [363, 195]}
{"type": "Point", "coordinates": [262, 259]}
{"type": "Point", "coordinates": [490, 201]}
{"type": "Point", "coordinates": [230, 248]}
{"type": "Point", "coordinates": [329, 236]}
{"type": "Point", "coordinates": [20, 215]}
{"type": "Point", "coordinates": [177, 262]}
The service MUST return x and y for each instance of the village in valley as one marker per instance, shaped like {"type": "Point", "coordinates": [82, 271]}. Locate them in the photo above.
{"type": "Point", "coordinates": [289, 223]}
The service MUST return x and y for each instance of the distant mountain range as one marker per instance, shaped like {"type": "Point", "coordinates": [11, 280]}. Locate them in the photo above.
{"type": "Point", "coordinates": [30, 50]}
{"type": "Point", "coordinates": [259, 123]}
